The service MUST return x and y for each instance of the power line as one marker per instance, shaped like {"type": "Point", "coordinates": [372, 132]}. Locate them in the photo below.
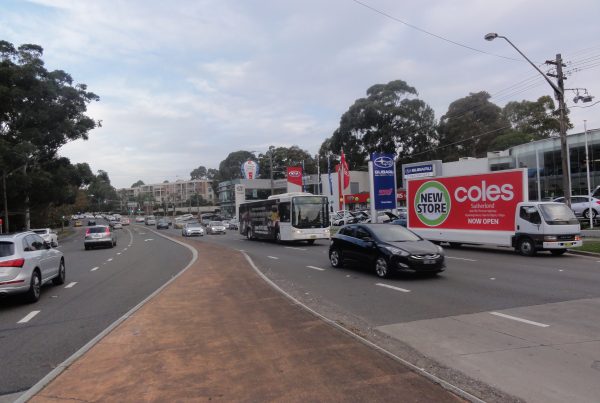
{"type": "Point", "coordinates": [587, 106]}
{"type": "Point", "coordinates": [431, 33]}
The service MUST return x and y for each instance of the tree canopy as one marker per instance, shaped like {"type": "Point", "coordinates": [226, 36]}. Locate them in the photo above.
{"type": "Point", "coordinates": [138, 183]}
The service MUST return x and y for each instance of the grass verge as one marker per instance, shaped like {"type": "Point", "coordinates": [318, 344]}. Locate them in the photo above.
{"type": "Point", "coordinates": [590, 246]}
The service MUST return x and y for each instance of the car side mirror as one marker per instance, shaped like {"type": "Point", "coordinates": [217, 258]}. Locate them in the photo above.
{"type": "Point", "coordinates": [47, 245]}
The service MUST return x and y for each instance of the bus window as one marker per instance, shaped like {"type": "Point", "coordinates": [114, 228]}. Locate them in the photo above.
{"type": "Point", "coordinates": [284, 212]}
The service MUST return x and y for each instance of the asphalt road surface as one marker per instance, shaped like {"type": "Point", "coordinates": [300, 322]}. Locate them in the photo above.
{"type": "Point", "coordinates": [527, 326]}
{"type": "Point", "coordinates": [101, 285]}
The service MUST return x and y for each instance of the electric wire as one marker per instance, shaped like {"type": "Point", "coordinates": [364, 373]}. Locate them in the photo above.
{"type": "Point", "coordinates": [431, 33]}
{"type": "Point", "coordinates": [587, 106]}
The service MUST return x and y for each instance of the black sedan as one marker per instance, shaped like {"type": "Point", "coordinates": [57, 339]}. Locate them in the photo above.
{"type": "Point", "coordinates": [386, 248]}
{"type": "Point", "coordinates": [163, 224]}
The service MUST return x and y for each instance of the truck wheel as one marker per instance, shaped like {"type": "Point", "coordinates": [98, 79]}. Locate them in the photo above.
{"type": "Point", "coordinates": [558, 252]}
{"type": "Point", "coordinates": [526, 247]}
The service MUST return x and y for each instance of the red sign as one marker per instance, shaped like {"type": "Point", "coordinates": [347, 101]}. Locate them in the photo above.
{"type": "Point", "coordinates": [478, 202]}
{"type": "Point", "coordinates": [294, 176]}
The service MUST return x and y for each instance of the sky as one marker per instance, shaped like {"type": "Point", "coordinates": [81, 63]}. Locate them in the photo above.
{"type": "Point", "coordinates": [183, 83]}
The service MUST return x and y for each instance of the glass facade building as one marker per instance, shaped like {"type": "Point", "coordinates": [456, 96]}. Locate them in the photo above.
{"type": "Point", "coordinates": [544, 165]}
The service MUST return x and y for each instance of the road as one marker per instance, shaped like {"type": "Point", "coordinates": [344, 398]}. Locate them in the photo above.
{"type": "Point", "coordinates": [101, 286]}
{"type": "Point", "coordinates": [496, 324]}
{"type": "Point", "coordinates": [526, 326]}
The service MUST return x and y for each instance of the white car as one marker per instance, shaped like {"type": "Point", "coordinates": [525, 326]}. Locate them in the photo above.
{"type": "Point", "coordinates": [581, 205]}
{"type": "Point", "coordinates": [191, 229]}
{"type": "Point", "coordinates": [216, 227]}
{"type": "Point", "coordinates": [48, 236]}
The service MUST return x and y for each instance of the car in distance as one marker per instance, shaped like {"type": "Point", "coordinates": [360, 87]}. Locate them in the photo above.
{"type": "Point", "coordinates": [216, 227]}
{"type": "Point", "coordinates": [125, 221]}
{"type": "Point", "coordinates": [77, 223]}
{"type": "Point", "coordinates": [91, 223]}
{"type": "Point", "coordinates": [47, 235]}
{"type": "Point", "coordinates": [234, 223]}
{"type": "Point", "coordinates": [386, 249]}
{"type": "Point", "coordinates": [581, 206]}
{"type": "Point", "coordinates": [140, 219]}
{"type": "Point", "coordinates": [163, 223]}
{"type": "Point", "coordinates": [192, 229]}
{"type": "Point", "coordinates": [150, 220]}
{"type": "Point", "coordinates": [114, 224]}
{"type": "Point", "coordinates": [99, 235]}
{"type": "Point", "coordinates": [26, 263]}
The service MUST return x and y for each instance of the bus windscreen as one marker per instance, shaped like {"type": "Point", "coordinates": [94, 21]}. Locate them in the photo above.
{"type": "Point", "coordinates": [310, 212]}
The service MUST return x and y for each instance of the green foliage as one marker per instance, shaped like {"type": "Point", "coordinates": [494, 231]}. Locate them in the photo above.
{"type": "Point", "coordinates": [284, 157]}
{"type": "Point", "coordinates": [469, 126]}
{"type": "Point", "coordinates": [230, 167]}
{"type": "Point", "coordinates": [138, 183]}
{"type": "Point", "coordinates": [390, 119]}
{"type": "Point", "coordinates": [199, 173]}
{"type": "Point", "coordinates": [103, 196]}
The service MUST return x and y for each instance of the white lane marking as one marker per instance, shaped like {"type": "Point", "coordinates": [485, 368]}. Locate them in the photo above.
{"type": "Point", "coordinates": [241, 250]}
{"type": "Point", "coordinates": [29, 316]}
{"type": "Point", "coordinates": [109, 259]}
{"type": "Point", "coordinates": [124, 249]}
{"type": "Point", "coordinates": [142, 233]}
{"type": "Point", "coordinates": [392, 287]}
{"type": "Point", "coordinates": [149, 239]}
{"type": "Point", "coordinates": [461, 258]}
{"type": "Point", "coordinates": [560, 270]}
{"type": "Point", "coordinates": [316, 268]}
{"type": "Point", "coordinates": [273, 257]}
{"type": "Point", "coordinates": [95, 268]}
{"type": "Point", "coordinates": [294, 247]}
{"type": "Point", "coordinates": [118, 253]}
{"type": "Point", "coordinates": [492, 278]}
{"type": "Point", "coordinates": [530, 322]}
{"type": "Point", "coordinates": [71, 284]}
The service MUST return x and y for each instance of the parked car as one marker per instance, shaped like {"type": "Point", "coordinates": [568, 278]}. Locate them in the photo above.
{"type": "Point", "coordinates": [48, 236]}
{"type": "Point", "coordinates": [581, 206]}
{"type": "Point", "coordinates": [342, 218]}
{"type": "Point", "coordinates": [99, 235]}
{"type": "Point", "coordinates": [400, 221]}
{"type": "Point", "coordinates": [386, 249]}
{"type": "Point", "coordinates": [192, 229]}
{"type": "Point", "coordinates": [26, 263]}
{"type": "Point", "coordinates": [163, 223]}
{"type": "Point", "coordinates": [215, 227]}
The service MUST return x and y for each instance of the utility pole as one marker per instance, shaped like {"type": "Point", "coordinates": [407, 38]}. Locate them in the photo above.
{"type": "Point", "coordinates": [559, 94]}
{"type": "Point", "coordinates": [271, 168]}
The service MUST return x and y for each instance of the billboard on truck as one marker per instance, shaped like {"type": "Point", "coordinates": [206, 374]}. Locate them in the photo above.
{"type": "Point", "coordinates": [472, 202]}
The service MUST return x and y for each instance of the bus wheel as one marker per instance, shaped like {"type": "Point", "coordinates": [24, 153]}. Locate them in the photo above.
{"type": "Point", "coordinates": [278, 237]}
{"type": "Point", "coordinates": [249, 234]}
{"type": "Point", "coordinates": [310, 242]}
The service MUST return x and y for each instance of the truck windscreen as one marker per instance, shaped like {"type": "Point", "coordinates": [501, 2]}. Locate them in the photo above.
{"type": "Point", "coordinates": [558, 214]}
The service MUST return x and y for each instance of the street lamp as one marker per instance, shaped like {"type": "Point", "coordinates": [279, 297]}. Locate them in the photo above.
{"type": "Point", "coordinates": [559, 94]}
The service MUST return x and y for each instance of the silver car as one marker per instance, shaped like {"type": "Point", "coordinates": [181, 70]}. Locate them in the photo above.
{"type": "Point", "coordinates": [216, 227]}
{"type": "Point", "coordinates": [192, 229]}
{"type": "Point", "coordinates": [581, 206]}
{"type": "Point", "coordinates": [26, 263]}
{"type": "Point", "coordinates": [48, 235]}
{"type": "Point", "coordinates": [99, 235]}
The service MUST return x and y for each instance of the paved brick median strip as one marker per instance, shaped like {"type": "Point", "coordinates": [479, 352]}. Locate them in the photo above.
{"type": "Point", "coordinates": [219, 332]}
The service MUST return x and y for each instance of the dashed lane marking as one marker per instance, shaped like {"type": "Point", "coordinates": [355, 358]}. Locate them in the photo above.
{"type": "Point", "coordinates": [529, 322]}
{"type": "Point", "coordinates": [149, 239]}
{"type": "Point", "coordinates": [392, 287]}
{"type": "Point", "coordinates": [29, 316]}
{"type": "Point", "coordinates": [273, 257]}
{"type": "Point", "coordinates": [70, 285]}
{"type": "Point", "coordinates": [109, 259]}
{"type": "Point", "coordinates": [95, 268]}
{"type": "Point", "coordinates": [461, 258]}
{"type": "Point", "coordinates": [492, 278]}
{"type": "Point", "coordinates": [294, 247]}
{"type": "Point", "coordinates": [315, 268]}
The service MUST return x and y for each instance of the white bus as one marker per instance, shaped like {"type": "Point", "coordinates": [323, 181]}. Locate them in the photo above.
{"type": "Point", "coordinates": [286, 217]}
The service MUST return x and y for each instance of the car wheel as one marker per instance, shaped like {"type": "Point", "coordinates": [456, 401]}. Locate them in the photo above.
{"type": "Point", "coordinates": [558, 252]}
{"type": "Point", "coordinates": [54, 244]}
{"type": "Point", "coordinates": [310, 242]}
{"type": "Point", "coordinates": [60, 278]}
{"type": "Point", "coordinates": [35, 288]}
{"type": "Point", "coordinates": [586, 214]}
{"type": "Point", "coordinates": [526, 247]}
{"type": "Point", "coordinates": [381, 267]}
{"type": "Point", "coordinates": [335, 258]}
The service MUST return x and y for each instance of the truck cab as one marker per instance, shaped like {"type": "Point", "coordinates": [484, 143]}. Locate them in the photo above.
{"type": "Point", "coordinates": [545, 226]}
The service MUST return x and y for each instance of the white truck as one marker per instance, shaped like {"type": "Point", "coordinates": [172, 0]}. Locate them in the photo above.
{"type": "Point", "coordinates": [490, 209]}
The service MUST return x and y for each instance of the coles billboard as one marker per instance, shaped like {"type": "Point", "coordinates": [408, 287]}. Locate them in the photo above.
{"type": "Point", "coordinates": [477, 202]}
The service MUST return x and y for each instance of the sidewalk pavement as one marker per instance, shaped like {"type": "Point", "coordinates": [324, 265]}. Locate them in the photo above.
{"type": "Point", "coordinates": [220, 332]}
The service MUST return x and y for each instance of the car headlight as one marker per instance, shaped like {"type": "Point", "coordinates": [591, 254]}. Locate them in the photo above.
{"type": "Point", "coordinates": [396, 251]}
{"type": "Point", "coordinates": [440, 249]}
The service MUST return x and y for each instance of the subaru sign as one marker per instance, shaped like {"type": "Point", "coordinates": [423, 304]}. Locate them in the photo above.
{"type": "Point", "coordinates": [384, 183]}
{"type": "Point", "coordinates": [419, 171]}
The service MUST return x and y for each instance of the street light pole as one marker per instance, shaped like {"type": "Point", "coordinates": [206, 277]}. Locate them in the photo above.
{"type": "Point", "coordinates": [587, 169]}
{"type": "Point", "coordinates": [271, 148]}
{"type": "Point", "coordinates": [559, 94]}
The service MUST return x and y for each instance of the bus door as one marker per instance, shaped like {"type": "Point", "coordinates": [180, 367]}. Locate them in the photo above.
{"type": "Point", "coordinates": [284, 210]}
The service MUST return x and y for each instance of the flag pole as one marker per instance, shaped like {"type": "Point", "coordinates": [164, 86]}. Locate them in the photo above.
{"type": "Point", "coordinates": [342, 160]}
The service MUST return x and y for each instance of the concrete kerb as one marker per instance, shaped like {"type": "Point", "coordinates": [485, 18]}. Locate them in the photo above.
{"type": "Point", "coordinates": [421, 371]}
{"type": "Point", "coordinates": [31, 392]}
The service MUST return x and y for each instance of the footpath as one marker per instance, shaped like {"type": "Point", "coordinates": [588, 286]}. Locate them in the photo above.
{"type": "Point", "coordinates": [220, 332]}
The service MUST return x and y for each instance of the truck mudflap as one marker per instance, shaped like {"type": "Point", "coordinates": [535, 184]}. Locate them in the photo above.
{"type": "Point", "coordinates": [561, 244]}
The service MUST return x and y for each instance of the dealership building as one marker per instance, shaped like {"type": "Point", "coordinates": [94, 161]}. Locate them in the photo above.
{"type": "Point", "coordinates": [541, 159]}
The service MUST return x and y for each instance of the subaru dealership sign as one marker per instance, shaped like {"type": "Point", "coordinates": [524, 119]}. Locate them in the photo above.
{"type": "Point", "coordinates": [425, 169]}
{"type": "Point", "coordinates": [384, 182]}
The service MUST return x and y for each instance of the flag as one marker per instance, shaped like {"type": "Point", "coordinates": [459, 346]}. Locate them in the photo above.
{"type": "Point", "coordinates": [329, 176]}
{"type": "Point", "coordinates": [346, 171]}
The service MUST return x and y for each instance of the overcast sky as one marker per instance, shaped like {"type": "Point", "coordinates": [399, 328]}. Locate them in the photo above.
{"type": "Point", "coordinates": [184, 82]}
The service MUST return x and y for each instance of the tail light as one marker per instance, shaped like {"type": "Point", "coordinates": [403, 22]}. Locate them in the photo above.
{"type": "Point", "coordinates": [108, 230]}
{"type": "Point", "coordinates": [13, 263]}
{"type": "Point", "coordinates": [597, 201]}
{"type": "Point", "coordinates": [87, 231]}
